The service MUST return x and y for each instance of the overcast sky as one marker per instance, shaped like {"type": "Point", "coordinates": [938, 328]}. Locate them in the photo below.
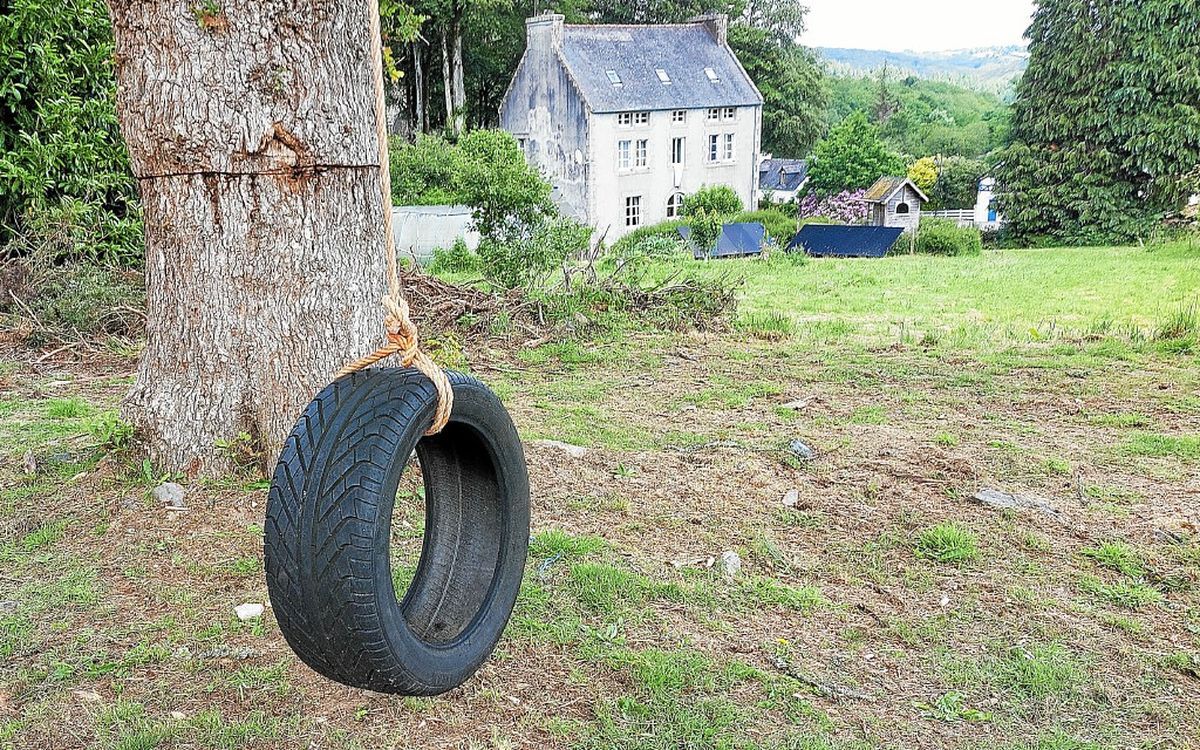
{"type": "Point", "coordinates": [920, 25]}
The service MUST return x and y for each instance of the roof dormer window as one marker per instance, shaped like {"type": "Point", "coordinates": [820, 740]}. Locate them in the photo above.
{"type": "Point", "coordinates": [663, 77]}
{"type": "Point", "coordinates": [712, 75]}
{"type": "Point", "coordinates": [613, 78]}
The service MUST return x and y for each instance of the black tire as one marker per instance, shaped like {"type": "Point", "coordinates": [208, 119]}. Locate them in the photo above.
{"type": "Point", "coordinates": [327, 533]}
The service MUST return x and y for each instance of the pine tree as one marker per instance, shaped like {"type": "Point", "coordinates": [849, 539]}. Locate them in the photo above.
{"type": "Point", "coordinates": [1106, 121]}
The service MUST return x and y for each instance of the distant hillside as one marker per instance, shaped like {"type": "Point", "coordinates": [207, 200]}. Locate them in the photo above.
{"type": "Point", "coordinates": [992, 69]}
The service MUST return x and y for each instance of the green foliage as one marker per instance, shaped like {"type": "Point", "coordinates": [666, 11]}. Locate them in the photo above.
{"type": "Point", "coordinates": [957, 185]}
{"type": "Point", "coordinates": [525, 260]}
{"type": "Point", "coordinates": [65, 181]}
{"type": "Point", "coordinates": [948, 543]}
{"type": "Point", "coordinates": [851, 157]}
{"type": "Point", "coordinates": [668, 229]}
{"type": "Point", "coordinates": [485, 170]}
{"type": "Point", "coordinates": [706, 228]}
{"type": "Point", "coordinates": [792, 86]}
{"type": "Point", "coordinates": [458, 258]}
{"type": "Point", "coordinates": [84, 301]}
{"type": "Point", "coordinates": [926, 117]}
{"type": "Point", "coordinates": [924, 173]}
{"type": "Point", "coordinates": [944, 237]}
{"type": "Point", "coordinates": [718, 200]}
{"type": "Point", "coordinates": [780, 226]}
{"type": "Point", "coordinates": [1106, 121]}
{"type": "Point", "coordinates": [1117, 556]}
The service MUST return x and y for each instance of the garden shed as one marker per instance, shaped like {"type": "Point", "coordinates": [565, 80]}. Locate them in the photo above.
{"type": "Point", "coordinates": [895, 202]}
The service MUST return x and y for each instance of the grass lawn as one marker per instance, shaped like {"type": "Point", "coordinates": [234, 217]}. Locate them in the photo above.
{"type": "Point", "coordinates": [880, 607]}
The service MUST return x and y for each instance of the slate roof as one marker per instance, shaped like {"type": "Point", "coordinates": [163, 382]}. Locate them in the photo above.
{"type": "Point", "coordinates": [736, 240]}
{"type": "Point", "coordinates": [636, 53]}
{"type": "Point", "coordinates": [829, 240]}
{"type": "Point", "coordinates": [782, 174]}
{"type": "Point", "coordinates": [885, 187]}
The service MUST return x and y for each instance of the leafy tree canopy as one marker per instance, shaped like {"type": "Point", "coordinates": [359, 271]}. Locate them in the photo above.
{"type": "Point", "coordinates": [1106, 122]}
{"type": "Point", "coordinates": [851, 157]}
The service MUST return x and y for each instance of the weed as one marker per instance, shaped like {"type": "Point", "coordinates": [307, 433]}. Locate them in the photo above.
{"type": "Point", "coordinates": [949, 707]}
{"type": "Point", "coordinates": [1117, 556]}
{"type": "Point", "coordinates": [1038, 671]}
{"type": "Point", "coordinates": [1183, 447]}
{"type": "Point", "coordinates": [946, 439]}
{"type": "Point", "coordinates": [67, 408]}
{"type": "Point", "coordinates": [112, 432]}
{"type": "Point", "coordinates": [948, 543]}
{"type": "Point", "coordinates": [767, 326]}
{"type": "Point", "coordinates": [1127, 594]}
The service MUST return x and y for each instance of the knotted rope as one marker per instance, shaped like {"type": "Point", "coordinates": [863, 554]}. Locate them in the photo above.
{"type": "Point", "coordinates": [402, 337]}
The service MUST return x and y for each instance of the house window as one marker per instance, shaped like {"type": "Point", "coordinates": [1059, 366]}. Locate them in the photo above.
{"type": "Point", "coordinates": [728, 113]}
{"type": "Point", "coordinates": [640, 155]}
{"type": "Point", "coordinates": [677, 151]}
{"type": "Point", "coordinates": [624, 154]}
{"type": "Point", "coordinates": [902, 208]}
{"type": "Point", "coordinates": [679, 115]}
{"type": "Point", "coordinates": [674, 205]}
{"type": "Point", "coordinates": [663, 78]}
{"type": "Point", "coordinates": [613, 78]}
{"type": "Point", "coordinates": [727, 152]}
{"type": "Point", "coordinates": [714, 143]}
{"type": "Point", "coordinates": [625, 119]}
{"type": "Point", "coordinates": [641, 118]}
{"type": "Point", "coordinates": [714, 114]}
{"type": "Point", "coordinates": [521, 143]}
{"type": "Point", "coordinates": [712, 75]}
{"type": "Point", "coordinates": [633, 210]}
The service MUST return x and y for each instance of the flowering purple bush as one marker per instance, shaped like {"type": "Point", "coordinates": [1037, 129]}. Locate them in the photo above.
{"type": "Point", "coordinates": [845, 207]}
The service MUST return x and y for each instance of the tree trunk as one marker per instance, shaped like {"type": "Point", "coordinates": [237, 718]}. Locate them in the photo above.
{"type": "Point", "coordinates": [419, 86]}
{"type": "Point", "coordinates": [251, 130]}
{"type": "Point", "coordinates": [458, 123]}
{"type": "Point", "coordinates": [447, 83]}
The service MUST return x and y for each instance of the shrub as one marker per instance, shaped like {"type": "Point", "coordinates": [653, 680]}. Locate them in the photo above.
{"type": "Point", "coordinates": [846, 207]}
{"type": "Point", "coordinates": [485, 170]}
{"type": "Point", "coordinates": [924, 173]}
{"type": "Point", "coordinates": [62, 161]}
{"type": "Point", "coordinates": [73, 301]}
{"type": "Point", "coordinates": [458, 258]}
{"type": "Point", "coordinates": [780, 227]}
{"type": "Point", "coordinates": [668, 229]}
{"type": "Point", "coordinates": [720, 200]}
{"type": "Point", "coordinates": [944, 237]}
{"type": "Point", "coordinates": [526, 260]}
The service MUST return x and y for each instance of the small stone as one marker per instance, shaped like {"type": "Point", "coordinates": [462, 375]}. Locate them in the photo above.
{"type": "Point", "coordinates": [1005, 501]}
{"type": "Point", "coordinates": [798, 404]}
{"type": "Point", "coordinates": [169, 494]}
{"type": "Point", "coordinates": [178, 715]}
{"type": "Point", "coordinates": [574, 451]}
{"type": "Point", "coordinates": [8, 606]}
{"type": "Point", "coordinates": [730, 563]}
{"type": "Point", "coordinates": [800, 450]}
{"type": "Point", "coordinates": [791, 498]}
{"type": "Point", "coordinates": [249, 611]}
{"type": "Point", "coordinates": [29, 462]}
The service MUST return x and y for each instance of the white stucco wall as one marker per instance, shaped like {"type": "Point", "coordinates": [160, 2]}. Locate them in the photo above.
{"type": "Point", "coordinates": [609, 186]}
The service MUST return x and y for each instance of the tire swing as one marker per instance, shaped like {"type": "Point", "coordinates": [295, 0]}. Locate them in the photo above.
{"type": "Point", "coordinates": [327, 536]}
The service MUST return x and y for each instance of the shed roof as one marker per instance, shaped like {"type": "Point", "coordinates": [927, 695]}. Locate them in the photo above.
{"type": "Point", "coordinates": [736, 240]}
{"type": "Point", "coordinates": [829, 240]}
{"type": "Point", "coordinates": [885, 187]}
{"type": "Point", "coordinates": [782, 174]}
{"type": "Point", "coordinates": [685, 53]}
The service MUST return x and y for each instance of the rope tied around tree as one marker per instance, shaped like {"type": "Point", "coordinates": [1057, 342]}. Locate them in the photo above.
{"type": "Point", "coordinates": [402, 336]}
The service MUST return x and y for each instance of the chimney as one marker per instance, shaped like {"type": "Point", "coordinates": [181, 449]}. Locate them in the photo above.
{"type": "Point", "coordinates": [544, 31]}
{"type": "Point", "coordinates": [717, 25]}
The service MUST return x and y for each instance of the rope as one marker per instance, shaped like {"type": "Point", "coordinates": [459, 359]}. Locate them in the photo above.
{"type": "Point", "coordinates": [402, 337]}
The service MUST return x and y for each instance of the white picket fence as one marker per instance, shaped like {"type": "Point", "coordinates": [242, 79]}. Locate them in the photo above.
{"type": "Point", "coordinates": [962, 217]}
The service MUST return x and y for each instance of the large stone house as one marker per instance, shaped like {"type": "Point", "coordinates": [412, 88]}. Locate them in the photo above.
{"type": "Point", "coordinates": [627, 120]}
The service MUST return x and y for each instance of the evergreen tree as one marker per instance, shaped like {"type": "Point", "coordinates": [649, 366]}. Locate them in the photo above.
{"type": "Point", "coordinates": [1106, 122]}
{"type": "Point", "coordinates": [852, 157]}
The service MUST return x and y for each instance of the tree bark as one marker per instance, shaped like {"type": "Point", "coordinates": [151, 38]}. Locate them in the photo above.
{"type": "Point", "coordinates": [419, 86]}
{"type": "Point", "coordinates": [447, 83]}
{"type": "Point", "coordinates": [458, 122]}
{"type": "Point", "coordinates": [251, 130]}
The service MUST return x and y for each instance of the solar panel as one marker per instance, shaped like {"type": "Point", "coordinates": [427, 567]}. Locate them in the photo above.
{"type": "Point", "coordinates": [836, 241]}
